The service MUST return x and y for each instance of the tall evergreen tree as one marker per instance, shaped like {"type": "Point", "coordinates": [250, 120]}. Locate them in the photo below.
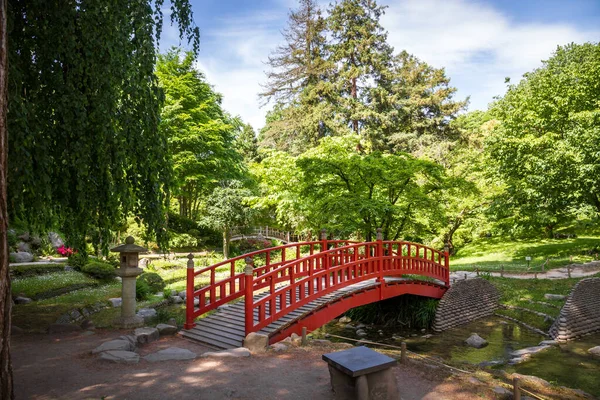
{"type": "Point", "coordinates": [247, 143]}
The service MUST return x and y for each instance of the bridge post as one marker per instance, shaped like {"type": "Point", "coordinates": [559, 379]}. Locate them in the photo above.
{"type": "Point", "coordinates": [447, 264]}
{"type": "Point", "coordinates": [248, 295]}
{"type": "Point", "coordinates": [189, 299]}
{"type": "Point", "coordinates": [325, 260]}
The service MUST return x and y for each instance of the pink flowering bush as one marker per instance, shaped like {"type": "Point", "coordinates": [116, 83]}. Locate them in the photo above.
{"type": "Point", "coordinates": [65, 251]}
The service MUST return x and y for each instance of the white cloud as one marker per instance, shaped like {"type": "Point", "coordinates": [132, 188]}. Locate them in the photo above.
{"type": "Point", "coordinates": [477, 44]}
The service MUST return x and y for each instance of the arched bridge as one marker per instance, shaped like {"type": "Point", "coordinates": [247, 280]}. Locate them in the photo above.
{"type": "Point", "coordinates": [262, 232]}
{"type": "Point", "coordinates": [279, 290]}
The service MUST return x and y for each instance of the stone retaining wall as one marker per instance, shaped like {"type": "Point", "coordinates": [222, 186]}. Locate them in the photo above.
{"type": "Point", "coordinates": [466, 301]}
{"type": "Point", "coordinates": [581, 313]}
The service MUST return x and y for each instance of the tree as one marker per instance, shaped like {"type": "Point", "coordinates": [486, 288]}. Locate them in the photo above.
{"type": "Point", "coordinates": [199, 133]}
{"type": "Point", "coordinates": [6, 378]}
{"type": "Point", "coordinates": [84, 113]}
{"type": "Point", "coordinates": [227, 207]}
{"type": "Point", "coordinates": [546, 147]}
{"type": "Point", "coordinates": [83, 122]}
{"type": "Point", "coordinates": [247, 144]}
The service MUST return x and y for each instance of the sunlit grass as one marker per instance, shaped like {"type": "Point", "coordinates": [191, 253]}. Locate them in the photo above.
{"type": "Point", "coordinates": [37, 285]}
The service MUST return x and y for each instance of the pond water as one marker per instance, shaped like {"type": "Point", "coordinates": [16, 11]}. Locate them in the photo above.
{"type": "Point", "coordinates": [566, 365]}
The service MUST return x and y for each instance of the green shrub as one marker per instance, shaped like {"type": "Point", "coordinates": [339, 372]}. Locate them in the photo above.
{"type": "Point", "coordinates": [99, 270]}
{"type": "Point", "coordinates": [153, 280]}
{"type": "Point", "coordinates": [77, 261]}
{"type": "Point", "coordinates": [13, 240]}
{"type": "Point", "coordinates": [142, 290]}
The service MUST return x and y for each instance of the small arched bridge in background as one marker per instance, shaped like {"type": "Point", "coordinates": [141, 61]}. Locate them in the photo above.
{"type": "Point", "coordinates": [279, 290]}
{"type": "Point", "coordinates": [263, 232]}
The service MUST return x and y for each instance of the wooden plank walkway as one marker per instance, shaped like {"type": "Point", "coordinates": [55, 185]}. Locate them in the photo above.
{"type": "Point", "coordinates": [225, 328]}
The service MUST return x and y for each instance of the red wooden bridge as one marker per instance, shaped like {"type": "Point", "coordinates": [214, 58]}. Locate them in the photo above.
{"type": "Point", "coordinates": [279, 290]}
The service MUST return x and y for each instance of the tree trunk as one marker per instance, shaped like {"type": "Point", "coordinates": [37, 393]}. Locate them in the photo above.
{"type": "Point", "coordinates": [6, 378]}
{"type": "Point", "coordinates": [226, 238]}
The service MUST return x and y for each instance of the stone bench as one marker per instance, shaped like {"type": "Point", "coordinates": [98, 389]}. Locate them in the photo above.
{"type": "Point", "coordinates": [362, 374]}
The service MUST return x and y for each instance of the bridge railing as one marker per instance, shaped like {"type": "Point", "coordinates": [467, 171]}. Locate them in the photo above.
{"type": "Point", "coordinates": [226, 283]}
{"type": "Point", "coordinates": [239, 232]}
{"type": "Point", "coordinates": [321, 273]}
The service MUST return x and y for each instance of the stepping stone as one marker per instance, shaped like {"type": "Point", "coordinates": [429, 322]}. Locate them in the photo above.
{"type": "Point", "coordinates": [235, 353]}
{"type": "Point", "coordinates": [111, 345]}
{"type": "Point", "coordinates": [595, 351]}
{"type": "Point", "coordinates": [164, 329]}
{"type": "Point", "coordinates": [119, 356]}
{"type": "Point", "coordinates": [172, 353]}
{"type": "Point", "coordinates": [146, 335]}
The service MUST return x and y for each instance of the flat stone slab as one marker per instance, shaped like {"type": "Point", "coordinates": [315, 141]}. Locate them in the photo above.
{"type": "Point", "coordinates": [146, 335]}
{"type": "Point", "coordinates": [118, 344]}
{"type": "Point", "coordinates": [359, 361]}
{"type": "Point", "coordinates": [172, 353]}
{"type": "Point", "coordinates": [165, 329]}
{"type": "Point", "coordinates": [236, 353]}
{"type": "Point", "coordinates": [119, 356]}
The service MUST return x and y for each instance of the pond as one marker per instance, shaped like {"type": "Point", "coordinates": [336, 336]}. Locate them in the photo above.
{"type": "Point", "coordinates": [566, 365]}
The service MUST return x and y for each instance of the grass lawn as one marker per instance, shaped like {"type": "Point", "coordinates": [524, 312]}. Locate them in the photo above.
{"type": "Point", "coordinates": [39, 285]}
{"type": "Point", "coordinates": [492, 254]}
{"type": "Point", "coordinates": [18, 271]}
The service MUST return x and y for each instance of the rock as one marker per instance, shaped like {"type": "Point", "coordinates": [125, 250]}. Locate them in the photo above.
{"type": "Point", "coordinates": [548, 343]}
{"type": "Point", "coordinates": [549, 296]}
{"type": "Point", "coordinates": [361, 326]}
{"type": "Point", "coordinates": [118, 344]}
{"type": "Point", "coordinates": [24, 237]}
{"type": "Point", "coordinates": [502, 391]}
{"type": "Point", "coordinates": [296, 339]}
{"type": "Point", "coordinates": [116, 301]}
{"type": "Point", "coordinates": [171, 353]}
{"type": "Point", "coordinates": [183, 294]}
{"type": "Point", "coordinates": [55, 240]}
{"type": "Point", "coordinates": [143, 263]}
{"type": "Point", "coordinates": [130, 338]}
{"type": "Point", "coordinates": [256, 342]}
{"type": "Point", "coordinates": [164, 329]}
{"type": "Point", "coordinates": [24, 247]}
{"type": "Point", "coordinates": [21, 257]}
{"type": "Point", "coordinates": [528, 350]}
{"type": "Point", "coordinates": [22, 300]}
{"type": "Point", "coordinates": [414, 335]}
{"type": "Point", "coordinates": [361, 333]}
{"type": "Point", "coordinates": [172, 322]}
{"type": "Point", "coordinates": [87, 325]}
{"type": "Point", "coordinates": [63, 328]}
{"type": "Point", "coordinates": [349, 326]}
{"type": "Point", "coordinates": [287, 340]}
{"type": "Point", "coordinates": [398, 337]}
{"type": "Point", "coordinates": [344, 320]}
{"type": "Point", "coordinates": [146, 335]}
{"type": "Point", "coordinates": [15, 330]}
{"type": "Point", "coordinates": [278, 347]}
{"type": "Point", "coordinates": [196, 301]}
{"type": "Point", "coordinates": [476, 341]}
{"type": "Point", "coordinates": [490, 363]}
{"type": "Point", "coordinates": [120, 356]}
{"type": "Point", "coordinates": [173, 292]}
{"type": "Point", "coordinates": [474, 381]}
{"type": "Point", "coordinates": [518, 360]}
{"type": "Point", "coordinates": [36, 242]}
{"type": "Point", "coordinates": [595, 351]}
{"type": "Point", "coordinates": [236, 353]}
{"type": "Point", "coordinates": [146, 313]}
{"type": "Point", "coordinates": [532, 380]}
{"type": "Point", "coordinates": [428, 336]}
{"type": "Point", "coordinates": [176, 299]}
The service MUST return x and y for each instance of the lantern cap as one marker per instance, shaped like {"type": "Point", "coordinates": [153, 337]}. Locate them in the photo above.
{"type": "Point", "coordinates": [129, 247]}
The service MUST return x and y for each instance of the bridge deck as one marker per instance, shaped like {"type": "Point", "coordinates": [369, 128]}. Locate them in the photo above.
{"type": "Point", "coordinates": [225, 328]}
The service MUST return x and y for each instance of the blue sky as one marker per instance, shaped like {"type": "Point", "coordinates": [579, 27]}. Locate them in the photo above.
{"type": "Point", "coordinates": [479, 43]}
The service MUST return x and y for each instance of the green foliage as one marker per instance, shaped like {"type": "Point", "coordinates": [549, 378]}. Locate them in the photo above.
{"type": "Point", "coordinates": [142, 290]}
{"type": "Point", "coordinates": [408, 311]}
{"type": "Point", "coordinates": [99, 270]}
{"type": "Point", "coordinates": [11, 237]}
{"type": "Point", "coordinates": [19, 271]}
{"type": "Point", "coordinates": [546, 148]}
{"type": "Point", "coordinates": [153, 280]}
{"type": "Point", "coordinates": [36, 286]}
{"type": "Point", "coordinates": [200, 134]}
{"type": "Point", "coordinates": [83, 115]}
{"type": "Point", "coordinates": [77, 260]}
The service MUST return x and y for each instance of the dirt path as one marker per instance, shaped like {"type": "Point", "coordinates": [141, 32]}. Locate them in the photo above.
{"type": "Point", "coordinates": [577, 271]}
{"type": "Point", "coordinates": [61, 367]}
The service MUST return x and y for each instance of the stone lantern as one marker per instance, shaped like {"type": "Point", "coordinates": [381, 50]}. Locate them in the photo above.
{"type": "Point", "coordinates": [128, 272]}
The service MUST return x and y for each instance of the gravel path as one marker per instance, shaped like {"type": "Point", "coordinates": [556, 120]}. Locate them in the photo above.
{"type": "Point", "coordinates": [577, 271]}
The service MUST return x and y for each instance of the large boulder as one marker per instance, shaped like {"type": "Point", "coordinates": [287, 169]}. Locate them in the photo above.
{"type": "Point", "coordinates": [118, 344]}
{"type": "Point", "coordinates": [256, 342]}
{"type": "Point", "coordinates": [146, 335]}
{"type": "Point", "coordinates": [476, 341]}
{"type": "Point", "coordinates": [21, 257]}
{"type": "Point", "coordinates": [235, 353]}
{"type": "Point", "coordinates": [120, 356]}
{"type": "Point", "coordinates": [24, 247]}
{"type": "Point", "coordinates": [55, 240]}
{"type": "Point", "coordinates": [171, 353]}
